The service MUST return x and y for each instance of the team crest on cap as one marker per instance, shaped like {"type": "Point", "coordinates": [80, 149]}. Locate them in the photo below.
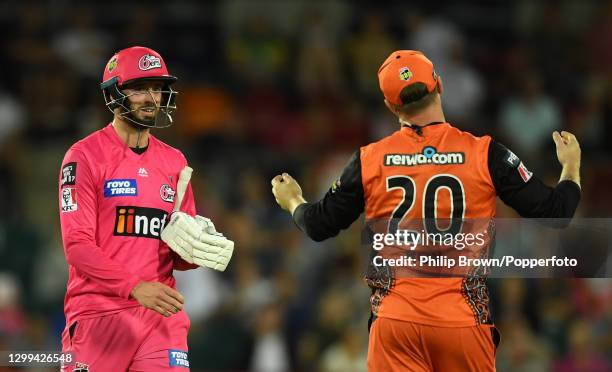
{"type": "Point", "coordinates": [405, 74]}
{"type": "Point", "coordinates": [149, 62]}
{"type": "Point", "coordinates": [112, 64]}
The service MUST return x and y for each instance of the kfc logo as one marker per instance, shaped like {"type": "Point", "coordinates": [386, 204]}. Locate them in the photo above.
{"type": "Point", "coordinates": [68, 197]}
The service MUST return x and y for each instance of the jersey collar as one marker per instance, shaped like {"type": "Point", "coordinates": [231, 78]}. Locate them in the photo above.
{"type": "Point", "coordinates": [114, 136]}
{"type": "Point", "coordinates": [427, 130]}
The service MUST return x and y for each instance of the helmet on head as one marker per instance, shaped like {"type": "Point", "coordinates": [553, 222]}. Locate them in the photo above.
{"type": "Point", "coordinates": [132, 65]}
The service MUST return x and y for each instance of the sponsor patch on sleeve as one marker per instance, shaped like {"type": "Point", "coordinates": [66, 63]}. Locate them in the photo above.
{"type": "Point", "coordinates": [335, 186]}
{"type": "Point", "coordinates": [69, 200]}
{"type": "Point", "coordinates": [69, 174]}
{"type": "Point", "coordinates": [178, 358]}
{"type": "Point", "coordinates": [511, 159]}
{"type": "Point", "coordinates": [120, 187]}
{"type": "Point", "coordinates": [524, 172]}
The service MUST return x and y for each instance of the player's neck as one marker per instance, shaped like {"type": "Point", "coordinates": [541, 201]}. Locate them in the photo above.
{"type": "Point", "coordinates": [129, 134]}
{"type": "Point", "coordinates": [431, 114]}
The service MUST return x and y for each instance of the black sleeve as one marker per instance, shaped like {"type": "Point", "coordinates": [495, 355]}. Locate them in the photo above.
{"type": "Point", "coordinates": [528, 195]}
{"type": "Point", "coordinates": [340, 207]}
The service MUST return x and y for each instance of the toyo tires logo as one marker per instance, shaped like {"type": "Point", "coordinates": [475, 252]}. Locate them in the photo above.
{"type": "Point", "coordinates": [429, 155]}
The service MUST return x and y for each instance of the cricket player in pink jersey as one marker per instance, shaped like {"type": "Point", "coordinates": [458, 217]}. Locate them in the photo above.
{"type": "Point", "coordinates": [119, 189]}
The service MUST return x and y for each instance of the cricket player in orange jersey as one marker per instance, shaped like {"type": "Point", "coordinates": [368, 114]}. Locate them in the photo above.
{"type": "Point", "coordinates": [430, 324]}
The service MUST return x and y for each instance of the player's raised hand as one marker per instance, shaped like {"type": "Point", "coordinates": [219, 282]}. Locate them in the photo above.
{"type": "Point", "coordinates": [568, 149]}
{"type": "Point", "coordinates": [158, 297]}
{"type": "Point", "coordinates": [287, 192]}
{"type": "Point", "coordinates": [568, 153]}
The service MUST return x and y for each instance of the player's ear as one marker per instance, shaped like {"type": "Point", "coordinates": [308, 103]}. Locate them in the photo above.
{"type": "Point", "coordinates": [440, 86]}
{"type": "Point", "coordinates": [394, 109]}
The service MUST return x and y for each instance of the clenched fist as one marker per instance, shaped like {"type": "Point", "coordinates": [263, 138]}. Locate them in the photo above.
{"type": "Point", "coordinates": [568, 153]}
{"type": "Point", "coordinates": [568, 149]}
{"type": "Point", "coordinates": [287, 192]}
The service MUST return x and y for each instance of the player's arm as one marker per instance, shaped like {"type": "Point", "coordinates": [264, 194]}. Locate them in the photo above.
{"type": "Point", "coordinates": [338, 209]}
{"type": "Point", "coordinates": [528, 195]}
{"type": "Point", "coordinates": [78, 218]}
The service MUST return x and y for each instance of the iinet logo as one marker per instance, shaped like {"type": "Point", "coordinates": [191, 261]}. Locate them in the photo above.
{"type": "Point", "coordinates": [139, 221]}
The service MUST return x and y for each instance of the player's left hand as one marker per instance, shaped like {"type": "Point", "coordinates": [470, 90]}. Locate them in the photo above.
{"type": "Point", "coordinates": [287, 192]}
{"type": "Point", "coordinates": [197, 241]}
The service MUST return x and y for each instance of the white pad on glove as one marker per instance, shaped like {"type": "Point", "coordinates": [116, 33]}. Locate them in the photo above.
{"type": "Point", "coordinates": [197, 241]}
{"type": "Point", "coordinates": [207, 225]}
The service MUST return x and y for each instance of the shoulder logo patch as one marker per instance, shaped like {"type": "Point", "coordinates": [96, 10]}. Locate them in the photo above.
{"type": "Point", "coordinates": [69, 174]}
{"type": "Point", "coordinates": [524, 172]}
{"type": "Point", "coordinates": [512, 159]}
{"type": "Point", "coordinates": [335, 186]}
{"type": "Point", "coordinates": [69, 201]}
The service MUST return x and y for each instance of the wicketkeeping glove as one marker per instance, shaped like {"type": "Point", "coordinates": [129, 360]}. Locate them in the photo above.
{"type": "Point", "coordinates": [197, 241]}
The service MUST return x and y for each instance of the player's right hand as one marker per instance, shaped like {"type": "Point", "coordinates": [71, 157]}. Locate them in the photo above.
{"type": "Point", "coordinates": [568, 149]}
{"type": "Point", "coordinates": [287, 192]}
{"type": "Point", "coordinates": [158, 297]}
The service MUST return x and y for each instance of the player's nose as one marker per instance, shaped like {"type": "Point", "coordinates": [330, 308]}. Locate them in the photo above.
{"type": "Point", "coordinates": [153, 96]}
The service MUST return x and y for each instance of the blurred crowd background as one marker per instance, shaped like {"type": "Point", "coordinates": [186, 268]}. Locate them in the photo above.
{"type": "Point", "coordinates": [272, 86]}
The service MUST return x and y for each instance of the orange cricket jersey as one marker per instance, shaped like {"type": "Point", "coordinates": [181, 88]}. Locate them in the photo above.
{"type": "Point", "coordinates": [446, 170]}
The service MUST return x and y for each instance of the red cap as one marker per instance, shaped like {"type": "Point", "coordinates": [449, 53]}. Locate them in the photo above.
{"type": "Point", "coordinates": [403, 68]}
{"type": "Point", "coordinates": [135, 63]}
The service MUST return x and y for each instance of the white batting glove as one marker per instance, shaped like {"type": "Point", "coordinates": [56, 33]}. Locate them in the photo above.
{"type": "Point", "coordinates": [197, 241]}
{"type": "Point", "coordinates": [207, 225]}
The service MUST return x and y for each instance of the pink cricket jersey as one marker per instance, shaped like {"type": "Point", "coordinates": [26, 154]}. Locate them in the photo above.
{"type": "Point", "coordinates": [113, 205]}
